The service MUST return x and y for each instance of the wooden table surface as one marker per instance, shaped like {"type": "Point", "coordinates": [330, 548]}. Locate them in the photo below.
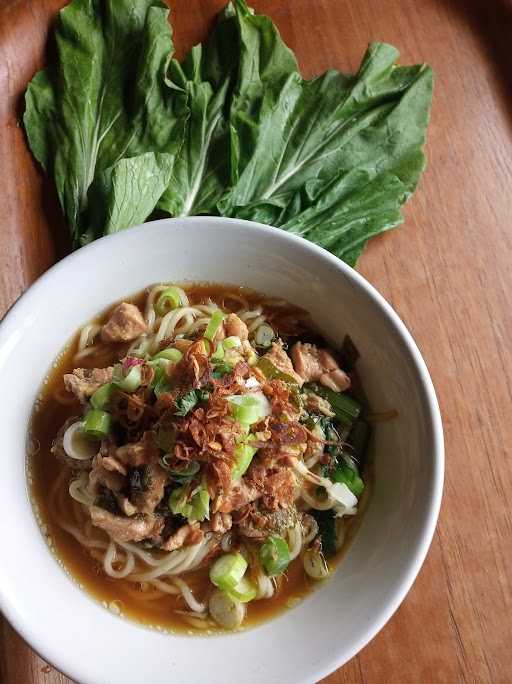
{"type": "Point", "coordinates": [447, 272]}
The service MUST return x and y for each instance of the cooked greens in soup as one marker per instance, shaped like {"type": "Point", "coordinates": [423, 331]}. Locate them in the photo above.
{"type": "Point", "coordinates": [197, 456]}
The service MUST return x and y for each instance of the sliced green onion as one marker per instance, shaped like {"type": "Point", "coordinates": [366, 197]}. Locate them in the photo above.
{"type": "Point", "coordinates": [170, 354]}
{"type": "Point", "coordinates": [77, 444]}
{"type": "Point", "coordinates": [214, 324]}
{"type": "Point", "coordinates": [218, 354]}
{"type": "Point", "coordinates": [274, 556]}
{"type": "Point", "coordinates": [100, 398]}
{"type": "Point", "coordinates": [244, 591]}
{"type": "Point", "coordinates": [264, 335]}
{"type": "Point", "coordinates": [168, 300]}
{"type": "Point", "coordinates": [200, 506]}
{"type": "Point", "coordinates": [231, 342]}
{"type": "Point", "coordinates": [97, 424]}
{"type": "Point", "coordinates": [248, 413]}
{"type": "Point", "coordinates": [178, 502]}
{"type": "Point", "coordinates": [159, 364]}
{"type": "Point", "coordinates": [244, 454]}
{"type": "Point", "coordinates": [249, 408]}
{"type": "Point", "coordinates": [195, 509]}
{"type": "Point", "coordinates": [183, 474]}
{"type": "Point", "coordinates": [130, 382]}
{"type": "Point", "coordinates": [228, 571]}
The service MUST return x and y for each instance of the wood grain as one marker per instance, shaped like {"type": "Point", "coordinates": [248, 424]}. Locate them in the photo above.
{"type": "Point", "coordinates": [447, 272]}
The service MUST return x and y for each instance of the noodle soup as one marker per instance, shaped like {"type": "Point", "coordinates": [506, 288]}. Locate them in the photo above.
{"type": "Point", "coordinates": [197, 457]}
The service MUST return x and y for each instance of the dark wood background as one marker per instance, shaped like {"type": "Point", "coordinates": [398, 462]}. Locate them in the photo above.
{"type": "Point", "coordinates": [447, 272]}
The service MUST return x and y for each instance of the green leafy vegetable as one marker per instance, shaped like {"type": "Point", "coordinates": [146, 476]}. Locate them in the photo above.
{"type": "Point", "coordinates": [125, 194]}
{"type": "Point", "coordinates": [160, 383]}
{"type": "Point", "coordinates": [98, 117]}
{"type": "Point", "coordinates": [332, 159]}
{"type": "Point", "coordinates": [358, 439]}
{"type": "Point", "coordinates": [199, 90]}
{"type": "Point", "coordinates": [348, 475]}
{"type": "Point", "coordinates": [343, 466]}
{"type": "Point", "coordinates": [221, 370]}
{"type": "Point", "coordinates": [345, 407]}
{"type": "Point", "coordinates": [186, 402]}
{"type": "Point", "coordinates": [183, 474]}
{"type": "Point", "coordinates": [235, 129]}
{"type": "Point", "coordinates": [327, 529]}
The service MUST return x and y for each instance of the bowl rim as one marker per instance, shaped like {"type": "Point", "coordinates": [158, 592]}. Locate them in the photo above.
{"type": "Point", "coordinates": [34, 637]}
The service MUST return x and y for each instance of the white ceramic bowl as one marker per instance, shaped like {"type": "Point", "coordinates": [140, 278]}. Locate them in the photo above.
{"type": "Point", "coordinates": [70, 629]}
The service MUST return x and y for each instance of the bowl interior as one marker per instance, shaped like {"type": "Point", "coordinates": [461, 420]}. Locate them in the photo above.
{"type": "Point", "coordinates": [332, 623]}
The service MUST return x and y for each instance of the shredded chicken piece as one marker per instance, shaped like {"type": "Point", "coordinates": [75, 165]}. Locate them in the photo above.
{"type": "Point", "coordinates": [219, 478]}
{"type": "Point", "coordinates": [221, 522]}
{"type": "Point", "coordinates": [336, 380]}
{"type": "Point", "coordinates": [126, 505]}
{"type": "Point", "coordinates": [282, 361]}
{"type": "Point", "coordinates": [121, 529]}
{"type": "Point", "coordinates": [111, 463]}
{"type": "Point", "coordinates": [186, 535]}
{"type": "Point", "coordinates": [138, 453]}
{"type": "Point", "coordinates": [83, 382]}
{"type": "Point", "coordinates": [312, 364]}
{"type": "Point", "coordinates": [240, 495]}
{"type": "Point", "coordinates": [125, 324]}
{"type": "Point", "coordinates": [236, 327]}
{"type": "Point", "coordinates": [100, 477]}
